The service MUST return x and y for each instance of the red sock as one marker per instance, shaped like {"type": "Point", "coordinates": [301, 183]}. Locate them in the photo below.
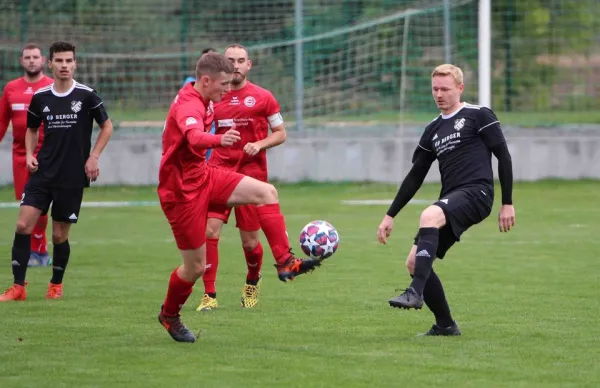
{"type": "Point", "coordinates": [212, 264]}
{"type": "Point", "coordinates": [38, 236]}
{"type": "Point", "coordinates": [254, 261]}
{"type": "Point", "coordinates": [273, 225]}
{"type": "Point", "coordinates": [177, 294]}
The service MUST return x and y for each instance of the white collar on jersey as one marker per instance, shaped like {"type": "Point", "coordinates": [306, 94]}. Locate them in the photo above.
{"type": "Point", "coordinates": [64, 94]}
{"type": "Point", "coordinates": [449, 115]}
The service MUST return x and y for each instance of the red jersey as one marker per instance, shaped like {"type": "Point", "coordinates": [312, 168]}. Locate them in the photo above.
{"type": "Point", "coordinates": [252, 109]}
{"type": "Point", "coordinates": [14, 103]}
{"type": "Point", "coordinates": [182, 169]}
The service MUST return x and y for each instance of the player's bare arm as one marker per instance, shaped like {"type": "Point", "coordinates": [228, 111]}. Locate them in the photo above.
{"type": "Point", "coordinates": [409, 187]}
{"type": "Point", "coordinates": [91, 166]}
{"type": "Point", "coordinates": [275, 138]}
{"type": "Point", "coordinates": [31, 141]}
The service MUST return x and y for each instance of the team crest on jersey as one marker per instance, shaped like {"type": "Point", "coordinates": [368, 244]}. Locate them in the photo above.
{"type": "Point", "coordinates": [459, 123]}
{"type": "Point", "coordinates": [249, 101]}
{"type": "Point", "coordinates": [76, 106]}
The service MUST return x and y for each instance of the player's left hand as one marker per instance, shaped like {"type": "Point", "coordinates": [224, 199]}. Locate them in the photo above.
{"type": "Point", "coordinates": [385, 229]}
{"type": "Point", "coordinates": [91, 168]}
{"type": "Point", "coordinates": [251, 149]}
{"type": "Point", "coordinates": [506, 218]}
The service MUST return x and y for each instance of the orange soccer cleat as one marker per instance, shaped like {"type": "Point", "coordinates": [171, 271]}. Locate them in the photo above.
{"type": "Point", "coordinates": [16, 293]}
{"type": "Point", "coordinates": [55, 291]}
{"type": "Point", "coordinates": [295, 266]}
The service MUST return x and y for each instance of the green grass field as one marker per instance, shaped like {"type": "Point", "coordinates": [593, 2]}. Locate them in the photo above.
{"type": "Point", "coordinates": [524, 119]}
{"type": "Point", "coordinates": [527, 302]}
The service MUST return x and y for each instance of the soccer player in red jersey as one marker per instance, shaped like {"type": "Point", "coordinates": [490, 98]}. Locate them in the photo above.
{"type": "Point", "coordinates": [252, 109]}
{"type": "Point", "coordinates": [187, 185]}
{"type": "Point", "coordinates": [14, 103]}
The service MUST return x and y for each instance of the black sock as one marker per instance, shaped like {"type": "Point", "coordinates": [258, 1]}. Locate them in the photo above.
{"type": "Point", "coordinates": [426, 251]}
{"type": "Point", "coordinates": [212, 294]}
{"type": "Point", "coordinates": [21, 250]}
{"type": "Point", "coordinates": [435, 299]}
{"type": "Point", "coordinates": [60, 259]}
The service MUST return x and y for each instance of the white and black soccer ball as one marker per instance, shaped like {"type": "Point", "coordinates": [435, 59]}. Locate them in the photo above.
{"type": "Point", "coordinates": [319, 239]}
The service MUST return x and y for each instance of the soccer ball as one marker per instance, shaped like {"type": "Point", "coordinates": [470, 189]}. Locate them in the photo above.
{"type": "Point", "coordinates": [319, 239]}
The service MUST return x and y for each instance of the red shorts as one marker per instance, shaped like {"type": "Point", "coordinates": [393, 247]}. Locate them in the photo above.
{"type": "Point", "coordinates": [246, 218]}
{"type": "Point", "coordinates": [188, 219]}
{"type": "Point", "coordinates": [20, 175]}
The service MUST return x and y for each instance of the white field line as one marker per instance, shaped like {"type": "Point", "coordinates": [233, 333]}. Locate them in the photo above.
{"type": "Point", "coordinates": [368, 202]}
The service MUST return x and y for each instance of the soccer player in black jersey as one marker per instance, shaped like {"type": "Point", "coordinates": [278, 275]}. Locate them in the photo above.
{"type": "Point", "coordinates": [462, 138]}
{"type": "Point", "coordinates": [63, 167]}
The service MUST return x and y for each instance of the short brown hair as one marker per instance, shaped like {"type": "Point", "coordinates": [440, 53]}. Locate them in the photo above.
{"type": "Point", "coordinates": [31, 46]}
{"type": "Point", "coordinates": [448, 69]}
{"type": "Point", "coordinates": [236, 45]}
{"type": "Point", "coordinates": [213, 63]}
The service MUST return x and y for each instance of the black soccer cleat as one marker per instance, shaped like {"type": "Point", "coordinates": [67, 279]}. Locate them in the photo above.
{"type": "Point", "coordinates": [178, 331]}
{"type": "Point", "coordinates": [449, 331]}
{"type": "Point", "coordinates": [294, 267]}
{"type": "Point", "coordinates": [409, 299]}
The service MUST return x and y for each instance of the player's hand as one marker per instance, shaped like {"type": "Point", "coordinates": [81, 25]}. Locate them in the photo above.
{"type": "Point", "coordinates": [230, 137]}
{"type": "Point", "coordinates": [506, 218]}
{"type": "Point", "coordinates": [385, 229]}
{"type": "Point", "coordinates": [91, 168]}
{"type": "Point", "coordinates": [32, 164]}
{"type": "Point", "coordinates": [251, 149]}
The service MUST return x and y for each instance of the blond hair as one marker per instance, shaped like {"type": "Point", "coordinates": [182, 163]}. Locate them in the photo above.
{"type": "Point", "coordinates": [448, 69]}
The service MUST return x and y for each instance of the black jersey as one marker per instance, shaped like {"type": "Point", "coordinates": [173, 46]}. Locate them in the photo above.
{"type": "Point", "coordinates": [68, 121]}
{"type": "Point", "coordinates": [462, 143]}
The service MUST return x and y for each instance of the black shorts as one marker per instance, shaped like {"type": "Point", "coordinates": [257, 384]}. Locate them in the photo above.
{"type": "Point", "coordinates": [66, 202]}
{"type": "Point", "coordinates": [463, 208]}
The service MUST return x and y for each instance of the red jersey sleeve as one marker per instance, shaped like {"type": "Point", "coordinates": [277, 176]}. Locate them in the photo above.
{"type": "Point", "coordinates": [190, 117]}
{"type": "Point", "coordinates": [190, 121]}
{"type": "Point", "coordinates": [272, 106]}
{"type": "Point", "coordinates": [4, 112]}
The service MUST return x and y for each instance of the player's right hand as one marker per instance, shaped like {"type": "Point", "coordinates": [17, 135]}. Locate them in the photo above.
{"type": "Point", "coordinates": [385, 229]}
{"type": "Point", "coordinates": [230, 137]}
{"type": "Point", "coordinates": [32, 164]}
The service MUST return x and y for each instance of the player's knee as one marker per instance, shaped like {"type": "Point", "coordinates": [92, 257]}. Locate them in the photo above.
{"type": "Point", "coordinates": [23, 227]}
{"type": "Point", "coordinates": [249, 243]}
{"type": "Point", "coordinates": [59, 236]}
{"type": "Point", "coordinates": [432, 217]}
{"type": "Point", "coordinates": [194, 271]}
{"type": "Point", "coordinates": [410, 264]}
{"type": "Point", "coordinates": [60, 232]}
{"type": "Point", "coordinates": [198, 269]}
{"type": "Point", "coordinates": [213, 230]}
{"type": "Point", "coordinates": [268, 194]}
